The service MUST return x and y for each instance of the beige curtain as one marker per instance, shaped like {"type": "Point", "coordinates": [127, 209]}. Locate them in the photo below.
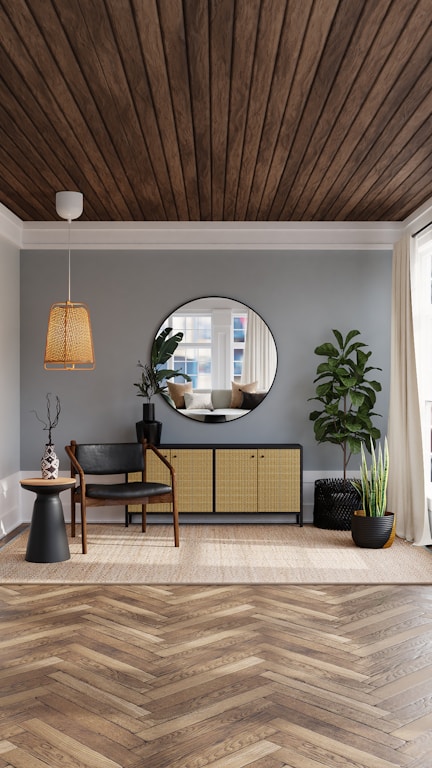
{"type": "Point", "coordinates": [260, 353]}
{"type": "Point", "coordinates": [406, 491]}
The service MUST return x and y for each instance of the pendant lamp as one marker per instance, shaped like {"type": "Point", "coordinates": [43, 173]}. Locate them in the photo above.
{"type": "Point", "coordinates": [69, 341]}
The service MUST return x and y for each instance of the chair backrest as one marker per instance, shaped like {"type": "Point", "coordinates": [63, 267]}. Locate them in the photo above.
{"type": "Point", "coordinates": [109, 458]}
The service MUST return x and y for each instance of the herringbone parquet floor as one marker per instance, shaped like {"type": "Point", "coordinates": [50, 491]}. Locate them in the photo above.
{"type": "Point", "coordinates": [219, 676]}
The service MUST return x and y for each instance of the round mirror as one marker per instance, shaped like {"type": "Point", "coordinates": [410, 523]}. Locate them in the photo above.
{"type": "Point", "coordinates": [223, 364]}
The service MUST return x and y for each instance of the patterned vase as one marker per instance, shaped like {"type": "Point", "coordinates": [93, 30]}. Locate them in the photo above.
{"type": "Point", "coordinates": [50, 463]}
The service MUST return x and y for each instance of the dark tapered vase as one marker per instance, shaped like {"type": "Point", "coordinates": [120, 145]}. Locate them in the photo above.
{"type": "Point", "coordinates": [373, 532]}
{"type": "Point", "coordinates": [148, 412]}
{"type": "Point", "coordinates": [149, 429]}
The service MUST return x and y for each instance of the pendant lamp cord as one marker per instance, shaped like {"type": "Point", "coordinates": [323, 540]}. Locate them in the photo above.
{"type": "Point", "coordinates": [69, 259]}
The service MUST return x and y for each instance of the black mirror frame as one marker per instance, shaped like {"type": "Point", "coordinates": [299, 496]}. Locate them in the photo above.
{"type": "Point", "coordinates": [217, 418]}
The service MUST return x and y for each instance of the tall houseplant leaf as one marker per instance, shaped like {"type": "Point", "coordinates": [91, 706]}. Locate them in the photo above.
{"type": "Point", "coordinates": [346, 395]}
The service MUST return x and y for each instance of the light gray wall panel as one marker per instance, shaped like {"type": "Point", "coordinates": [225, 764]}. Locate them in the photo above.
{"type": "Point", "coordinates": [9, 360]}
{"type": "Point", "coordinates": [301, 295]}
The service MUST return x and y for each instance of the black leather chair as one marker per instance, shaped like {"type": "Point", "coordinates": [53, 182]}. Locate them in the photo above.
{"type": "Point", "coordinates": [115, 459]}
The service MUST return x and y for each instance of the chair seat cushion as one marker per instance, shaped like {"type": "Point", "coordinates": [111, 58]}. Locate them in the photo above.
{"type": "Point", "coordinates": [119, 491]}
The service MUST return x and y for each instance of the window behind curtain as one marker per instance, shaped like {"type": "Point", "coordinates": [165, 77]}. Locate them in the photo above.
{"type": "Point", "coordinates": [422, 310]}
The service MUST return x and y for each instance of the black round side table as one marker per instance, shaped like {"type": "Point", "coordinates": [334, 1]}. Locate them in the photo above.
{"type": "Point", "coordinates": [47, 542]}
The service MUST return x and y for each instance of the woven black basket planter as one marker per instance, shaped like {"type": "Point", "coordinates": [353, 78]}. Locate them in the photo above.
{"type": "Point", "coordinates": [334, 504]}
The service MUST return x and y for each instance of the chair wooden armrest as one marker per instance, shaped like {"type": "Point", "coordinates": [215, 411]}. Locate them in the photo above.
{"type": "Point", "coordinates": [163, 459]}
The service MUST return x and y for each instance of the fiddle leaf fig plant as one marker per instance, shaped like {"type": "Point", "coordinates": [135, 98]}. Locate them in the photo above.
{"type": "Point", "coordinates": [154, 375]}
{"type": "Point", "coordinates": [346, 395]}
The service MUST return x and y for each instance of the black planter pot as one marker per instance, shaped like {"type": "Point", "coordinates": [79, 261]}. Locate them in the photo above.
{"type": "Point", "coordinates": [150, 431]}
{"type": "Point", "coordinates": [373, 532]}
{"type": "Point", "coordinates": [335, 501]}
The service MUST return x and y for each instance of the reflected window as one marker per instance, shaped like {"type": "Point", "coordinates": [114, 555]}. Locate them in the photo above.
{"type": "Point", "coordinates": [196, 329]}
{"type": "Point", "coordinates": [196, 363]}
{"type": "Point", "coordinates": [193, 355]}
{"type": "Point", "coordinates": [238, 345]}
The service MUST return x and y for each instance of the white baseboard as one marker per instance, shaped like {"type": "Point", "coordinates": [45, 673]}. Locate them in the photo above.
{"type": "Point", "coordinates": [10, 503]}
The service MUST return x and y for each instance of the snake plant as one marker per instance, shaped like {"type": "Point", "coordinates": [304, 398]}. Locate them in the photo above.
{"type": "Point", "coordinates": [372, 485]}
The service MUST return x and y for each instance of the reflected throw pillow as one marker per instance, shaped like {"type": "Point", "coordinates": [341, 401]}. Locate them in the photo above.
{"type": "Point", "coordinates": [237, 392]}
{"type": "Point", "coordinates": [177, 391]}
{"type": "Point", "coordinates": [198, 400]}
{"type": "Point", "coordinates": [252, 399]}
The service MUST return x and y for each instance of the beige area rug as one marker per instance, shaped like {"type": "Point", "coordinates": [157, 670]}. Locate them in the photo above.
{"type": "Point", "coordinates": [220, 554]}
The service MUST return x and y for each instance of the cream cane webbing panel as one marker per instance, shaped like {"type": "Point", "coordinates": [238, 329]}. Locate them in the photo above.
{"type": "Point", "coordinates": [236, 480]}
{"type": "Point", "coordinates": [157, 472]}
{"type": "Point", "coordinates": [194, 477]}
{"type": "Point", "coordinates": [279, 480]}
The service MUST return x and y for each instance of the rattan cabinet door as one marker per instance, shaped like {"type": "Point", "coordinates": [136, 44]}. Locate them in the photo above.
{"type": "Point", "coordinates": [236, 480]}
{"type": "Point", "coordinates": [279, 480]}
{"type": "Point", "coordinates": [194, 478]}
{"type": "Point", "coordinates": [157, 472]}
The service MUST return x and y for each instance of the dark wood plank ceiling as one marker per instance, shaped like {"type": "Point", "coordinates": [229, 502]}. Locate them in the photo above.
{"type": "Point", "coordinates": [225, 110]}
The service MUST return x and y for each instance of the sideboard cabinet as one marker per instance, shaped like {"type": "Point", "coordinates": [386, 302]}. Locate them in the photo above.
{"type": "Point", "coordinates": [234, 479]}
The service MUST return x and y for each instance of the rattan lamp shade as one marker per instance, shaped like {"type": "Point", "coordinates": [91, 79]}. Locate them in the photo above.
{"type": "Point", "coordinates": [69, 341]}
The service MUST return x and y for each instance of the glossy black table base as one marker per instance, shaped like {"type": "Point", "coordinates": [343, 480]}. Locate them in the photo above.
{"type": "Point", "coordinates": [47, 542]}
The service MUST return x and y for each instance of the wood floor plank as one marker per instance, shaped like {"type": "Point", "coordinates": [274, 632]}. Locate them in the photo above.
{"type": "Point", "coordinates": [249, 676]}
{"type": "Point", "coordinates": [334, 746]}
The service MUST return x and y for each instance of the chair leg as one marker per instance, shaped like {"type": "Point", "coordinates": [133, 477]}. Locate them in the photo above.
{"type": "Point", "coordinates": [176, 523]}
{"type": "Point", "coordinates": [126, 517]}
{"type": "Point", "coordinates": [84, 528]}
{"type": "Point", "coordinates": [73, 513]}
{"type": "Point", "coordinates": [144, 517]}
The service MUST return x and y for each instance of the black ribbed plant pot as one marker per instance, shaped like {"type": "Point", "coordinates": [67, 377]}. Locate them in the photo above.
{"type": "Point", "coordinates": [150, 431]}
{"type": "Point", "coordinates": [335, 501]}
{"type": "Point", "coordinates": [372, 532]}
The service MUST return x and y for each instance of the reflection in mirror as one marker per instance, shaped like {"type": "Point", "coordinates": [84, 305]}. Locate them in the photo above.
{"type": "Point", "coordinates": [229, 354]}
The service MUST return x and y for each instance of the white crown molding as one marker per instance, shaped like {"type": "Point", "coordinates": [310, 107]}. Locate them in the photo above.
{"type": "Point", "coordinates": [108, 235]}
{"type": "Point", "coordinates": [213, 235]}
{"type": "Point", "coordinates": [11, 227]}
{"type": "Point", "coordinates": [419, 219]}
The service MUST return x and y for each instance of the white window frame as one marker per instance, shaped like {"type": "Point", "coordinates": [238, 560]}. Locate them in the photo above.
{"type": "Point", "coordinates": [424, 353]}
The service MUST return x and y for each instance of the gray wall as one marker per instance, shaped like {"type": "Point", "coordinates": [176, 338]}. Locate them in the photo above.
{"type": "Point", "coordinates": [301, 295]}
{"type": "Point", "coordinates": [9, 361]}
